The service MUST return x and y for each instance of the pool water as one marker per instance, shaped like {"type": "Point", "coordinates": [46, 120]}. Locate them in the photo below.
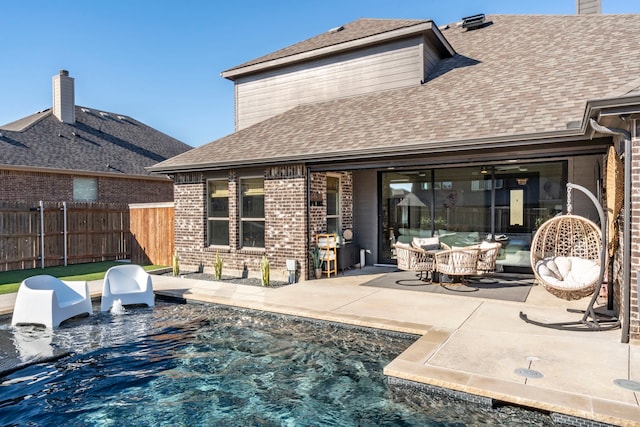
{"type": "Point", "coordinates": [203, 365]}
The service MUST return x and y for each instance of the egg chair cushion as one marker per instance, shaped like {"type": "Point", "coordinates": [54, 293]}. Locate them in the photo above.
{"type": "Point", "coordinates": [568, 272]}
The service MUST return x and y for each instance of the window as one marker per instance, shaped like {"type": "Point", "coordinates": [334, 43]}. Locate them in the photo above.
{"type": "Point", "coordinates": [85, 189]}
{"type": "Point", "coordinates": [333, 205]}
{"type": "Point", "coordinates": [252, 212]}
{"type": "Point", "coordinates": [218, 213]}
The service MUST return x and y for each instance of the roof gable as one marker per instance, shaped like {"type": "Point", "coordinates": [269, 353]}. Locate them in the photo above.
{"type": "Point", "coordinates": [356, 34]}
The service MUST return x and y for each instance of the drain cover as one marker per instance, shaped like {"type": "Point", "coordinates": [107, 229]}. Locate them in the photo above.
{"type": "Point", "coordinates": [529, 373]}
{"type": "Point", "coordinates": [628, 384]}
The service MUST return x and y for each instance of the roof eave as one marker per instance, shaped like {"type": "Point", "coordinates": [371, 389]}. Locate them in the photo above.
{"type": "Point", "coordinates": [19, 168]}
{"type": "Point", "coordinates": [413, 30]}
{"type": "Point", "coordinates": [415, 149]}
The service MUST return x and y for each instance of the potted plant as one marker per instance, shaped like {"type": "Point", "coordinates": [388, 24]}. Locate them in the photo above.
{"type": "Point", "coordinates": [317, 261]}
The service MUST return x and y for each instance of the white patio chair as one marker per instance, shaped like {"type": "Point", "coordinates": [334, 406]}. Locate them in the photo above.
{"type": "Point", "coordinates": [47, 300]}
{"type": "Point", "coordinates": [128, 283]}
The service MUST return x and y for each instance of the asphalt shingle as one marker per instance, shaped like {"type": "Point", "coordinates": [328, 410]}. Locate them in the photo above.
{"type": "Point", "coordinates": [98, 142]}
{"type": "Point", "coordinates": [521, 75]}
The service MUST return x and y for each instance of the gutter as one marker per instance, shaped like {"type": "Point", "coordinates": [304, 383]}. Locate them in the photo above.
{"type": "Point", "coordinates": [626, 233]}
{"type": "Point", "coordinates": [77, 172]}
{"type": "Point", "coordinates": [444, 146]}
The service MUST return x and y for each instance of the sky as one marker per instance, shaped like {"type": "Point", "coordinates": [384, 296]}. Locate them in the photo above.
{"type": "Point", "coordinates": [159, 61]}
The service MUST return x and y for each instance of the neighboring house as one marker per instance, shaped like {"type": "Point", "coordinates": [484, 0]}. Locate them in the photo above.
{"type": "Point", "coordinates": [80, 154]}
{"type": "Point", "coordinates": [398, 128]}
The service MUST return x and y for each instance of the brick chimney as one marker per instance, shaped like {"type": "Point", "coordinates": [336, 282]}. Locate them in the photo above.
{"type": "Point", "coordinates": [64, 107]}
{"type": "Point", "coordinates": [588, 7]}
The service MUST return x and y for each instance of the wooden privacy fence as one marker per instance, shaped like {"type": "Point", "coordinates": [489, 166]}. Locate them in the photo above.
{"type": "Point", "coordinates": [152, 233]}
{"type": "Point", "coordinates": [49, 234]}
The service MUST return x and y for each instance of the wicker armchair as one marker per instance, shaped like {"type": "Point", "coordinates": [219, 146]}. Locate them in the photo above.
{"type": "Point", "coordinates": [414, 259]}
{"type": "Point", "coordinates": [487, 257]}
{"type": "Point", "coordinates": [458, 262]}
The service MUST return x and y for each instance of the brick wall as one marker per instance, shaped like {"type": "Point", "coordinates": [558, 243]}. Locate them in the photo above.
{"type": "Point", "coordinates": [189, 219]}
{"type": "Point", "coordinates": [286, 222]}
{"type": "Point", "coordinates": [286, 235]}
{"type": "Point", "coordinates": [51, 187]}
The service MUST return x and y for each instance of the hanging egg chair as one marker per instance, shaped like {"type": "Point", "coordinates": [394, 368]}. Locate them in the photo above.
{"type": "Point", "coordinates": [566, 256]}
{"type": "Point", "coordinates": [568, 260]}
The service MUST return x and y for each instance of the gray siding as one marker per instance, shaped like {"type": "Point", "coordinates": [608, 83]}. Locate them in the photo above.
{"type": "Point", "coordinates": [586, 7]}
{"type": "Point", "coordinates": [430, 59]}
{"type": "Point", "coordinates": [393, 65]}
{"type": "Point", "coordinates": [365, 213]}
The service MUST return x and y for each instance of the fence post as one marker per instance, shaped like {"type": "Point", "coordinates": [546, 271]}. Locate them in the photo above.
{"type": "Point", "coordinates": [64, 231]}
{"type": "Point", "coordinates": [41, 234]}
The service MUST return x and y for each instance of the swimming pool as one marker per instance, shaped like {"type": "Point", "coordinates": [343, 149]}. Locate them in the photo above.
{"type": "Point", "coordinates": [188, 365]}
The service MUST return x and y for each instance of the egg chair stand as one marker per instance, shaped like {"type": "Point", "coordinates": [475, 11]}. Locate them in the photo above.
{"type": "Point", "coordinates": [573, 238]}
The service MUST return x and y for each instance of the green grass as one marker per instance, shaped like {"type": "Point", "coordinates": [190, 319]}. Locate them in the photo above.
{"type": "Point", "coordinates": [10, 280]}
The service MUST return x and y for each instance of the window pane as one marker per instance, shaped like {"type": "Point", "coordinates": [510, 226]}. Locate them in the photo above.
{"type": "Point", "coordinates": [252, 198]}
{"type": "Point", "coordinates": [218, 207]}
{"type": "Point", "coordinates": [332, 226]}
{"type": "Point", "coordinates": [253, 234]}
{"type": "Point", "coordinates": [85, 189]}
{"type": "Point", "coordinates": [333, 203]}
{"type": "Point", "coordinates": [252, 205]}
{"type": "Point", "coordinates": [218, 232]}
{"type": "Point", "coordinates": [218, 199]}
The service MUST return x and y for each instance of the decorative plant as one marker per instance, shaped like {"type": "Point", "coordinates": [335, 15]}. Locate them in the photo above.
{"type": "Point", "coordinates": [217, 267]}
{"type": "Point", "coordinates": [176, 264]}
{"type": "Point", "coordinates": [316, 258]}
{"type": "Point", "coordinates": [264, 270]}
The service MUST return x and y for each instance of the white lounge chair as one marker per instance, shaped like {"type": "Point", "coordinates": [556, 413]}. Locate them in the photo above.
{"type": "Point", "coordinates": [128, 283]}
{"type": "Point", "coordinates": [47, 300]}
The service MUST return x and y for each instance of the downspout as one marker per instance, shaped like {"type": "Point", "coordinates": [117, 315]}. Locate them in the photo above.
{"type": "Point", "coordinates": [308, 233]}
{"type": "Point", "coordinates": [626, 233]}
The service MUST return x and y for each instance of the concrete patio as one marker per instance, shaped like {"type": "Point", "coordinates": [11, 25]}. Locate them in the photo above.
{"type": "Point", "coordinates": [471, 345]}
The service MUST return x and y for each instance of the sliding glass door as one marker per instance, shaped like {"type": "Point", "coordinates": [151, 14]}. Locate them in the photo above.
{"type": "Point", "coordinates": [465, 206]}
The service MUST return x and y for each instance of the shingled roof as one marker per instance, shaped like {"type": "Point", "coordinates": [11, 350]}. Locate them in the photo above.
{"type": "Point", "coordinates": [97, 142]}
{"type": "Point", "coordinates": [523, 77]}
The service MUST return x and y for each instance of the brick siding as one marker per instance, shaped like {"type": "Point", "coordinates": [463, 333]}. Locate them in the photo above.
{"type": "Point", "coordinates": [24, 186]}
{"type": "Point", "coordinates": [286, 235]}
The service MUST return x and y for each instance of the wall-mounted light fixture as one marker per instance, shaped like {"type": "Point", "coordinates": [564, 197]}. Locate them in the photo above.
{"type": "Point", "coordinates": [484, 170]}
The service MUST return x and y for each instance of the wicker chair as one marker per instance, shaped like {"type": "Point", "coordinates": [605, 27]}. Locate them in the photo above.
{"type": "Point", "coordinates": [568, 239]}
{"type": "Point", "coordinates": [487, 257]}
{"type": "Point", "coordinates": [414, 259]}
{"type": "Point", "coordinates": [458, 262]}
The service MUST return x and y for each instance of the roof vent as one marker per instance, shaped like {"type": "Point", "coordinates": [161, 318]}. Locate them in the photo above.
{"type": "Point", "coordinates": [103, 114]}
{"type": "Point", "coordinates": [336, 29]}
{"type": "Point", "coordinates": [473, 22]}
{"type": "Point", "coordinates": [121, 117]}
{"type": "Point", "coordinates": [85, 110]}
